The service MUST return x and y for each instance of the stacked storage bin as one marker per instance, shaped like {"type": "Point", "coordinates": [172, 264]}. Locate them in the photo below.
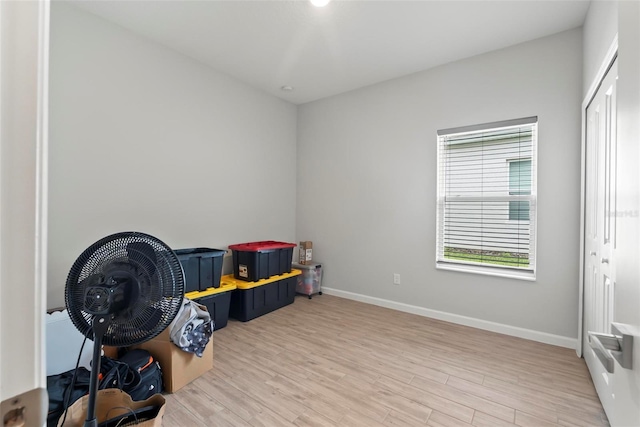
{"type": "Point", "coordinates": [202, 273]}
{"type": "Point", "coordinates": [263, 278]}
{"type": "Point", "coordinates": [217, 300]}
{"type": "Point", "coordinates": [253, 299]}
{"type": "Point", "coordinates": [261, 260]}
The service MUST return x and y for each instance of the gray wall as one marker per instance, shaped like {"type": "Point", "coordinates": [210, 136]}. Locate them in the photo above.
{"type": "Point", "coordinates": [142, 138]}
{"type": "Point", "coordinates": [600, 28]}
{"type": "Point", "coordinates": [366, 183]}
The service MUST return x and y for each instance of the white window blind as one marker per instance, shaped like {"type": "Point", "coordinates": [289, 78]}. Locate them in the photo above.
{"type": "Point", "coordinates": [486, 218]}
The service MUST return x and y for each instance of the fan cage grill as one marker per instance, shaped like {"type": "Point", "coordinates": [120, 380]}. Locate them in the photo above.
{"type": "Point", "coordinates": [161, 284]}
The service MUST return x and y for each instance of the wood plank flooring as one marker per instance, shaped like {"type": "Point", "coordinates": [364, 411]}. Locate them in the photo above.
{"type": "Point", "coordinates": [336, 362]}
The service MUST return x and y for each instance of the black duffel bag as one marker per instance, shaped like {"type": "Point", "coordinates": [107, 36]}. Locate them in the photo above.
{"type": "Point", "coordinates": [149, 374]}
{"type": "Point", "coordinates": [136, 373]}
{"type": "Point", "coordinates": [59, 389]}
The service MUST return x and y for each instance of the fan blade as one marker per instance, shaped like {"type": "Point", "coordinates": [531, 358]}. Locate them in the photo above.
{"type": "Point", "coordinates": [152, 317]}
{"type": "Point", "coordinates": [93, 280]}
{"type": "Point", "coordinates": [123, 284]}
{"type": "Point", "coordinates": [147, 251]}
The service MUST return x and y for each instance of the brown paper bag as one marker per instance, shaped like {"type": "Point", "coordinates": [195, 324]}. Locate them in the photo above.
{"type": "Point", "coordinates": [111, 403]}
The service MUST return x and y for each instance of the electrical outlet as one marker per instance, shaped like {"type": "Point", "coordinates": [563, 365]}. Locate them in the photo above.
{"type": "Point", "coordinates": [396, 279]}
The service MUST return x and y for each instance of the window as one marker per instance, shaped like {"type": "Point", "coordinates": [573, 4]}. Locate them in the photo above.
{"type": "Point", "coordinates": [487, 198]}
{"type": "Point", "coordinates": [519, 185]}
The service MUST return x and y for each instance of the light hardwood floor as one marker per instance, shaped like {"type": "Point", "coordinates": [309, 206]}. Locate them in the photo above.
{"type": "Point", "coordinates": [335, 362]}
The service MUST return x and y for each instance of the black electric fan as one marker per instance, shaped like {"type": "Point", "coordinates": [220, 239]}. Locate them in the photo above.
{"type": "Point", "coordinates": [123, 290]}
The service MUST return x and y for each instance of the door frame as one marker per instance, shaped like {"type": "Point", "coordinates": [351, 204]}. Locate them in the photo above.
{"type": "Point", "coordinates": [610, 56]}
{"type": "Point", "coordinates": [24, 133]}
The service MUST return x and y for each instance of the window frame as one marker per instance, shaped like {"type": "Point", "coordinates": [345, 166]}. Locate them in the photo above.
{"type": "Point", "coordinates": [522, 273]}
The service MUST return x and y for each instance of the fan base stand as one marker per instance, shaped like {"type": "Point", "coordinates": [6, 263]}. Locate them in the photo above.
{"type": "Point", "coordinates": [100, 326]}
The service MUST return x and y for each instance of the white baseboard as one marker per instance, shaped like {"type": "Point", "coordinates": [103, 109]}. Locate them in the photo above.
{"type": "Point", "coordinates": [514, 331]}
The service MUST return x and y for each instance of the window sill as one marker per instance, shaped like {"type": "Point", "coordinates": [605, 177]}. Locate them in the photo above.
{"type": "Point", "coordinates": [488, 271]}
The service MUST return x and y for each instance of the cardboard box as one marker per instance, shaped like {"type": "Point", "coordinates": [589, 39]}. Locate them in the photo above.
{"type": "Point", "coordinates": [179, 367]}
{"type": "Point", "coordinates": [305, 252]}
{"type": "Point", "coordinates": [111, 403]}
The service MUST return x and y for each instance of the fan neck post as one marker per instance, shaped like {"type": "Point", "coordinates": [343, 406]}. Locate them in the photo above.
{"type": "Point", "coordinates": [100, 325]}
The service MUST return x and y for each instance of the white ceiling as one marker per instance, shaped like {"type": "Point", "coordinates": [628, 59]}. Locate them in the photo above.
{"type": "Point", "coordinates": [346, 45]}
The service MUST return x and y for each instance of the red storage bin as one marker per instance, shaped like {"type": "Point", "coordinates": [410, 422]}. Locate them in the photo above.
{"type": "Point", "coordinates": [260, 260]}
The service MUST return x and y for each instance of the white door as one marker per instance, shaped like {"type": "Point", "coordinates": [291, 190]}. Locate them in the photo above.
{"type": "Point", "coordinates": [24, 42]}
{"type": "Point", "coordinates": [612, 230]}
{"type": "Point", "coordinates": [600, 237]}
{"type": "Point", "coordinates": [626, 382]}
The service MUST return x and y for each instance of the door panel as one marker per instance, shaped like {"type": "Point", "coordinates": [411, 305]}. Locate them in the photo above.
{"type": "Point", "coordinates": [612, 229]}
{"type": "Point", "coordinates": [626, 382]}
{"type": "Point", "coordinates": [600, 191]}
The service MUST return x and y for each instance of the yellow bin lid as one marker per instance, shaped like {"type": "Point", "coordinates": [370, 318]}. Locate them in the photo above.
{"type": "Point", "coordinates": [224, 287]}
{"type": "Point", "coordinates": [241, 284]}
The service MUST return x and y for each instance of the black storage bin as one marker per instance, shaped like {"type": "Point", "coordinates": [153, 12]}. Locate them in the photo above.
{"type": "Point", "coordinates": [202, 268]}
{"type": "Point", "coordinates": [261, 260]}
{"type": "Point", "coordinates": [254, 301]}
{"type": "Point", "coordinates": [218, 306]}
